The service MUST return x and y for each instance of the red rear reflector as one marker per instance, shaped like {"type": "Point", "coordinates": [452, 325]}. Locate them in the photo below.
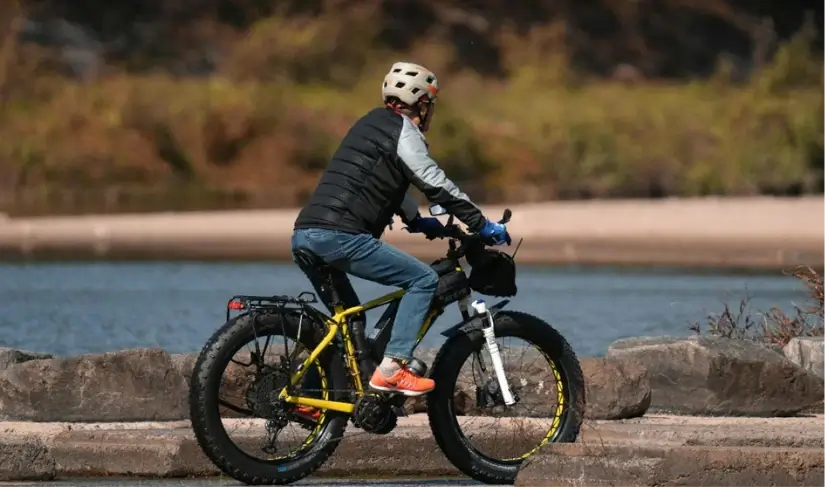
{"type": "Point", "coordinates": [236, 305]}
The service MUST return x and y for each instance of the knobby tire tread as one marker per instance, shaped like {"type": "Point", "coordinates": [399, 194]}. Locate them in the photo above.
{"type": "Point", "coordinates": [213, 439]}
{"type": "Point", "coordinates": [446, 368]}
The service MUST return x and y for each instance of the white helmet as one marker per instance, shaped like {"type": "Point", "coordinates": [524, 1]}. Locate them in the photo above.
{"type": "Point", "coordinates": [409, 82]}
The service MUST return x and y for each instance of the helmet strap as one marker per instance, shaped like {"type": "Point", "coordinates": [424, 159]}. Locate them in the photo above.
{"type": "Point", "coordinates": [422, 118]}
{"type": "Point", "coordinates": [398, 106]}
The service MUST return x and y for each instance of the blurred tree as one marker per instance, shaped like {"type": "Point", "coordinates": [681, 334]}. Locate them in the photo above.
{"type": "Point", "coordinates": [661, 38]}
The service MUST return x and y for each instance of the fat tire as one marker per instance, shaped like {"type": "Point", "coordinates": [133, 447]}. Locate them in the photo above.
{"type": "Point", "coordinates": [205, 415]}
{"type": "Point", "coordinates": [446, 368]}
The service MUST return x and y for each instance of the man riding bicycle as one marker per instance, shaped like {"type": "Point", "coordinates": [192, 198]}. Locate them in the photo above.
{"type": "Point", "coordinates": [366, 184]}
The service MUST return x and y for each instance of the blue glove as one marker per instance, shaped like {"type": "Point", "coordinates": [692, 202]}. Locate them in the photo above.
{"type": "Point", "coordinates": [495, 232]}
{"type": "Point", "coordinates": [426, 225]}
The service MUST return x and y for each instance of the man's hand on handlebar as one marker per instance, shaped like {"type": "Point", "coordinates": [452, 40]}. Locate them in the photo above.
{"type": "Point", "coordinates": [429, 226]}
{"type": "Point", "coordinates": [493, 233]}
{"type": "Point", "coordinates": [496, 232]}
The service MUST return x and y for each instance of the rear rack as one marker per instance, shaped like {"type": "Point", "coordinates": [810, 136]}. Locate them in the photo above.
{"type": "Point", "coordinates": [269, 304]}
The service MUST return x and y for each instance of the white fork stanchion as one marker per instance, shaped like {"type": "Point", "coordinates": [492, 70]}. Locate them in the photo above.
{"type": "Point", "coordinates": [490, 335]}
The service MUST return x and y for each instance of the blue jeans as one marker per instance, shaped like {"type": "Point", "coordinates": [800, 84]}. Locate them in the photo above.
{"type": "Point", "coordinates": [369, 258]}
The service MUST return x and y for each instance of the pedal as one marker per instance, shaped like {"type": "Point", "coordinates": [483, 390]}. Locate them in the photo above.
{"type": "Point", "coordinates": [399, 411]}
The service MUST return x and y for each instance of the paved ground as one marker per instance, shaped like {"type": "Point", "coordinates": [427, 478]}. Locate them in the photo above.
{"type": "Point", "coordinates": [652, 450]}
{"type": "Point", "coordinates": [317, 482]}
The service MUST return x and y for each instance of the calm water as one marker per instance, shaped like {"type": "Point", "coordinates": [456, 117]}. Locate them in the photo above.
{"type": "Point", "coordinates": [72, 308]}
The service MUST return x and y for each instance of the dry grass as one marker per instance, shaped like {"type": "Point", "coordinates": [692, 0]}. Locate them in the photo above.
{"type": "Point", "coordinates": [773, 327]}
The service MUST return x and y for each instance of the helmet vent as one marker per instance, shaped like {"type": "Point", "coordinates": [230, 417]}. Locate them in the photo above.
{"type": "Point", "coordinates": [400, 84]}
{"type": "Point", "coordinates": [415, 90]}
{"type": "Point", "coordinates": [396, 70]}
{"type": "Point", "coordinates": [411, 73]}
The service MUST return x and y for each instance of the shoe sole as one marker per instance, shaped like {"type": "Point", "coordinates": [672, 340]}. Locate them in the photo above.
{"type": "Point", "coordinates": [403, 392]}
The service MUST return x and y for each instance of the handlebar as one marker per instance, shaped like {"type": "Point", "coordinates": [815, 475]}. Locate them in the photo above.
{"type": "Point", "coordinates": [454, 232]}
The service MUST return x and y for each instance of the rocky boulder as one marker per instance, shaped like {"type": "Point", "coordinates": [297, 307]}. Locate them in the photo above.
{"type": "Point", "coordinates": [183, 364]}
{"type": "Point", "coordinates": [720, 376]}
{"type": "Point", "coordinates": [11, 356]}
{"type": "Point", "coordinates": [808, 353]}
{"type": "Point", "coordinates": [129, 385]}
{"type": "Point", "coordinates": [615, 388]}
{"type": "Point", "coordinates": [126, 385]}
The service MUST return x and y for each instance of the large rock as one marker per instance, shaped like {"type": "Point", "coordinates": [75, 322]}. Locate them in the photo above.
{"type": "Point", "coordinates": [615, 388]}
{"type": "Point", "coordinates": [808, 353]}
{"type": "Point", "coordinates": [183, 364]}
{"type": "Point", "coordinates": [12, 356]}
{"type": "Point", "coordinates": [720, 376]}
{"type": "Point", "coordinates": [130, 385]}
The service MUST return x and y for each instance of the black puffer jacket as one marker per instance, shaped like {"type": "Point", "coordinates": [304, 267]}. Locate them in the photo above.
{"type": "Point", "coordinates": [367, 180]}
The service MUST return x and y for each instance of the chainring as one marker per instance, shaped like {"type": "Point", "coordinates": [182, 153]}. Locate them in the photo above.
{"type": "Point", "coordinates": [374, 414]}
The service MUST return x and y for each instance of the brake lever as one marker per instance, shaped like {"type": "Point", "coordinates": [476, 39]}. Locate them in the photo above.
{"type": "Point", "coordinates": [506, 218]}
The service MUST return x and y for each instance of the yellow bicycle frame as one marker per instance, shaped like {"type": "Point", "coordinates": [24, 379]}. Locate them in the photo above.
{"type": "Point", "coordinates": [336, 322]}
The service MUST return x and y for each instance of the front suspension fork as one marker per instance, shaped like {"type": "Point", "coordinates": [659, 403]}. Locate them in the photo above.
{"type": "Point", "coordinates": [492, 347]}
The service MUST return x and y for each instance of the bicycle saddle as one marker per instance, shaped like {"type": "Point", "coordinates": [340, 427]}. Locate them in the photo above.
{"type": "Point", "coordinates": [306, 258]}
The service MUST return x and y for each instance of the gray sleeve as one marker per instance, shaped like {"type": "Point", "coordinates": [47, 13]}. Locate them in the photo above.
{"type": "Point", "coordinates": [425, 174]}
{"type": "Point", "coordinates": [409, 209]}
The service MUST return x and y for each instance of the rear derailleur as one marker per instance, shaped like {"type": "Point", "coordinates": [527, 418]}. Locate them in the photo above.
{"type": "Point", "coordinates": [263, 401]}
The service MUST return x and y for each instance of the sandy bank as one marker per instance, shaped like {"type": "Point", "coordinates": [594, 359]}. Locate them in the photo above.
{"type": "Point", "coordinates": [732, 232]}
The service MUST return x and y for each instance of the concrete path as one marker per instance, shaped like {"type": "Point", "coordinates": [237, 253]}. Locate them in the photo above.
{"type": "Point", "coordinates": [710, 232]}
{"type": "Point", "coordinates": [650, 445]}
{"type": "Point", "coordinates": [208, 482]}
{"type": "Point", "coordinates": [674, 450]}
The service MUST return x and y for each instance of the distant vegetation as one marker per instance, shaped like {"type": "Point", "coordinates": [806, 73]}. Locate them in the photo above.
{"type": "Point", "coordinates": [170, 104]}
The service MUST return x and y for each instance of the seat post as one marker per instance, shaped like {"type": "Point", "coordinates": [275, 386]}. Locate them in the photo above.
{"type": "Point", "coordinates": [335, 289]}
{"type": "Point", "coordinates": [319, 274]}
{"type": "Point", "coordinates": [344, 294]}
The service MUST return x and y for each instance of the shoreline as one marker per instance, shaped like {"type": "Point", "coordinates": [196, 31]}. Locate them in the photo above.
{"type": "Point", "coordinates": [704, 233]}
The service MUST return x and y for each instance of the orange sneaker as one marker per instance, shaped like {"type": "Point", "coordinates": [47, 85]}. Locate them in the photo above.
{"type": "Point", "coordinates": [402, 381]}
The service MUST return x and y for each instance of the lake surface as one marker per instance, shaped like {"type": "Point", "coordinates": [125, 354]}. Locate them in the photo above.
{"type": "Point", "coordinates": [73, 308]}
